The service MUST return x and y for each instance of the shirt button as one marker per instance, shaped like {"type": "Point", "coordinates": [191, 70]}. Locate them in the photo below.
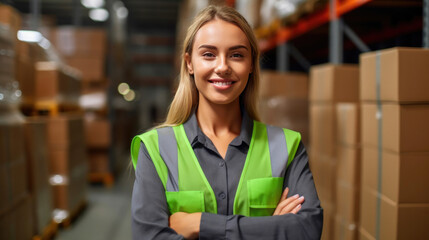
{"type": "Point", "coordinates": [222, 195]}
{"type": "Point", "coordinates": [221, 164]}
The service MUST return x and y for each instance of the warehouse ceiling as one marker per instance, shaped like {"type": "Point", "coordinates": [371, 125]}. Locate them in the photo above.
{"type": "Point", "coordinates": [143, 15]}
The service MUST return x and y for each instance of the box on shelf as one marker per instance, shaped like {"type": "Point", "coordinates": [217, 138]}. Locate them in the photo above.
{"type": "Point", "coordinates": [97, 133]}
{"type": "Point", "coordinates": [403, 72]}
{"type": "Point", "coordinates": [92, 68]}
{"type": "Point", "coordinates": [404, 127]}
{"type": "Point", "coordinates": [344, 230]}
{"type": "Point", "coordinates": [349, 165]}
{"type": "Point", "coordinates": [72, 41]}
{"type": "Point", "coordinates": [68, 160]}
{"type": "Point", "coordinates": [348, 124]}
{"type": "Point", "coordinates": [334, 83]}
{"type": "Point", "coordinates": [284, 101]}
{"type": "Point", "coordinates": [10, 17]}
{"type": "Point", "coordinates": [99, 161]}
{"type": "Point", "coordinates": [323, 129]}
{"type": "Point", "coordinates": [13, 166]}
{"type": "Point", "coordinates": [397, 221]}
{"type": "Point", "coordinates": [17, 222]}
{"type": "Point", "coordinates": [404, 177]}
{"type": "Point", "coordinates": [291, 85]}
{"type": "Point", "coordinates": [37, 157]}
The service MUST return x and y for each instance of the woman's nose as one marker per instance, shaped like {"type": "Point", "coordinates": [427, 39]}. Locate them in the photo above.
{"type": "Point", "coordinates": [222, 66]}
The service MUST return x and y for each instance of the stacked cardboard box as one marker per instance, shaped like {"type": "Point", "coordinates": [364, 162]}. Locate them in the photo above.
{"type": "Point", "coordinates": [329, 84]}
{"type": "Point", "coordinates": [284, 101]}
{"type": "Point", "coordinates": [98, 139]}
{"type": "Point", "coordinates": [15, 201]}
{"type": "Point", "coordinates": [37, 159]}
{"type": "Point", "coordinates": [67, 161]}
{"type": "Point", "coordinates": [81, 48]}
{"type": "Point", "coordinates": [43, 80]}
{"type": "Point", "coordinates": [348, 171]}
{"type": "Point", "coordinates": [395, 135]}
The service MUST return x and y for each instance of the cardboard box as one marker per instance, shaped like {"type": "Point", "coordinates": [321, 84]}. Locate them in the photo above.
{"type": "Point", "coordinates": [291, 85]}
{"type": "Point", "coordinates": [347, 202]}
{"type": "Point", "coordinates": [344, 230]}
{"type": "Point", "coordinates": [349, 165]}
{"type": "Point", "coordinates": [348, 124]}
{"type": "Point", "coordinates": [404, 127]}
{"type": "Point", "coordinates": [323, 129]}
{"type": "Point", "coordinates": [6, 63]}
{"type": "Point", "coordinates": [72, 41]}
{"type": "Point", "coordinates": [97, 133]}
{"type": "Point", "coordinates": [99, 162]}
{"type": "Point", "coordinates": [404, 177]}
{"type": "Point", "coordinates": [37, 157]}
{"type": "Point", "coordinates": [65, 131]}
{"type": "Point", "coordinates": [404, 75]}
{"type": "Point", "coordinates": [397, 221]}
{"type": "Point", "coordinates": [334, 83]}
{"type": "Point", "coordinates": [92, 67]}
{"type": "Point", "coordinates": [17, 222]}
{"type": "Point", "coordinates": [69, 195]}
{"type": "Point", "coordinates": [10, 17]}
{"type": "Point", "coordinates": [328, 225]}
{"type": "Point", "coordinates": [364, 235]}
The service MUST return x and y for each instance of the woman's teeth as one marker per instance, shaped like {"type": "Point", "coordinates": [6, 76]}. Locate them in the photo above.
{"type": "Point", "coordinates": [222, 83]}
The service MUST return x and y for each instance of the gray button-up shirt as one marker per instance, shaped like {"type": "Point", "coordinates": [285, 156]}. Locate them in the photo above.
{"type": "Point", "coordinates": [149, 207]}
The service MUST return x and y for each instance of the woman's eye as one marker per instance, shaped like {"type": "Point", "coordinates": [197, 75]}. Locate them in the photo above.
{"type": "Point", "coordinates": [237, 55]}
{"type": "Point", "coordinates": [208, 55]}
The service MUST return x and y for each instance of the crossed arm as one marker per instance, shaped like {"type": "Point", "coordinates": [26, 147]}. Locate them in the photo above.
{"type": "Point", "coordinates": [188, 224]}
{"type": "Point", "coordinates": [294, 217]}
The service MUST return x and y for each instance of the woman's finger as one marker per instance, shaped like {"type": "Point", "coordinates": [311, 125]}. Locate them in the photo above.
{"type": "Point", "coordinates": [284, 194]}
{"type": "Point", "coordinates": [284, 203]}
{"type": "Point", "coordinates": [292, 205]}
{"type": "Point", "coordinates": [282, 198]}
{"type": "Point", "coordinates": [296, 209]}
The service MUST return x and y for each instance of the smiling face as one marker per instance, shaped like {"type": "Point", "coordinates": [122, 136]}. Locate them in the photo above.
{"type": "Point", "coordinates": [221, 62]}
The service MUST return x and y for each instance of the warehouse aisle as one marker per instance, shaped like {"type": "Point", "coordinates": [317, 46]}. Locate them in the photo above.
{"type": "Point", "coordinates": [108, 214]}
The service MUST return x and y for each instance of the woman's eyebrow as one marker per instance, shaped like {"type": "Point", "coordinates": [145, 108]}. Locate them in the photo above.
{"type": "Point", "coordinates": [231, 48]}
{"type": "Point", "coordinates": [207, 46]}
{"type": "Point", "coordinates": [238, 47]}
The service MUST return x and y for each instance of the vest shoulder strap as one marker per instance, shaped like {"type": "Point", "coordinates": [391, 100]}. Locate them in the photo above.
{"type": "Point", "coordinates": [150, 140]}
{"type": "Point", "coordinates": [293, 140]}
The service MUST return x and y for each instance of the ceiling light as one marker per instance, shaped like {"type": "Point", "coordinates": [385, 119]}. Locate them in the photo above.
{"type": "Point", "coordinates": [130, 96]}
{"type": "Point", "coordinates": [29, 36]}
{"type": "Point", "coordinates": [92, 3]}
{"type": "Point", "coordinates": [99, 14]}
{"type": "Point", "coordinates": [123, 88]}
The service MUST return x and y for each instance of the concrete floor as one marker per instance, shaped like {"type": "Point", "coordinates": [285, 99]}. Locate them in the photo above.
{"type": "Point", "coordinates": [107, 215]}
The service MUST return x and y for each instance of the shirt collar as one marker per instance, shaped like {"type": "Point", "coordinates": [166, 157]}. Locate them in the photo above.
{"type": "Point", "coordinates": [195, 134]}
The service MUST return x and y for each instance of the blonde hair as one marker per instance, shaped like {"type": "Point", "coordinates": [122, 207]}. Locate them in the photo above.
{"type": "Point", "coordinates": [186, 97]}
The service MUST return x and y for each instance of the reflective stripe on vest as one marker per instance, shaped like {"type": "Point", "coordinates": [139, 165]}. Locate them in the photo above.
{"type": "Point", "coordinates": [271, 151]}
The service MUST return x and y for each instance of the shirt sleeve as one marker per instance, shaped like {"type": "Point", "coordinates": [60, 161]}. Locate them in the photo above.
{"type": "Point", "coordinates": [149, 209]}
{"type": "Point", "coordinates": [306, 224]}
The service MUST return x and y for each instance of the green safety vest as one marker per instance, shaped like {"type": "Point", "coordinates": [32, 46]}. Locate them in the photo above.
{"type": "Point", "coordinates": [271, 151]}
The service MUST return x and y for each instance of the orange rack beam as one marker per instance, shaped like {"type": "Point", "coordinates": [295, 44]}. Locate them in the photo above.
{"type": "Point", "coordinates": [304, 25]}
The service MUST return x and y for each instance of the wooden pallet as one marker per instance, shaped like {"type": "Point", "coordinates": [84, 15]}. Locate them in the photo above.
{"type": "Point", "coordinates": [48, 233]}
{"type": "Point", "coordinates": [106, 179]}
{"type": "Point", "coordinates": [47, 108]}
{"type": "Point", "coordinates": [66, 223]}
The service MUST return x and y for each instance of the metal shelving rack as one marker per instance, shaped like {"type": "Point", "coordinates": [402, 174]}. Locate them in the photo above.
{"type": "Point", "coordinates": [333, 14]}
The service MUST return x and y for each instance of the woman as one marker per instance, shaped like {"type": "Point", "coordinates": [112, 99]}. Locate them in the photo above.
{"type": "Point", "coordinates": [211, 171]}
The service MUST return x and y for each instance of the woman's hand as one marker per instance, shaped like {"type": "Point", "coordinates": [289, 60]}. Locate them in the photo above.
{"type": "Point", "coordinates": [288, 205]}
{"type": "Point", "coordinates": [186, 224]}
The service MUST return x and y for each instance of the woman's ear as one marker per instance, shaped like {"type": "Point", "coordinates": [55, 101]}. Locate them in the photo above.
{"type": "Point", "coordinates": [189, 63]}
